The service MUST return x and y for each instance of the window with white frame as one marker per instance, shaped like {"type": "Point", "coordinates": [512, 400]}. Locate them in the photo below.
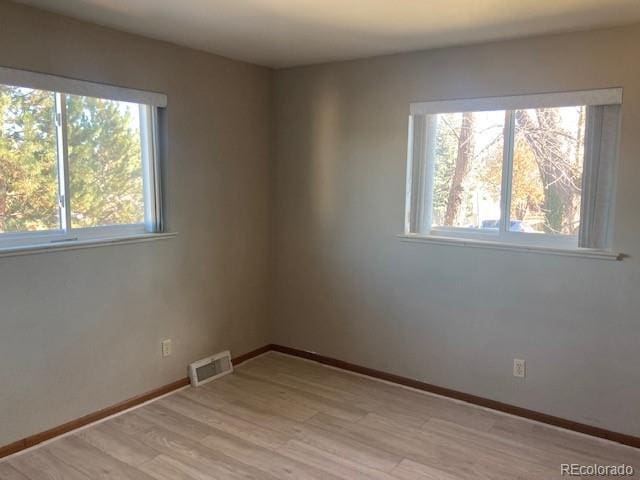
{"type": "Point", "coordinates": [78, 160]}
{"type": "Point", "coordinates": [530, 169]}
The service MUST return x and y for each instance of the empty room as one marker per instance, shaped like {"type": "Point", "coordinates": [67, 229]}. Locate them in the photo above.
{"type": "Point", "coordinates": [284, 239]}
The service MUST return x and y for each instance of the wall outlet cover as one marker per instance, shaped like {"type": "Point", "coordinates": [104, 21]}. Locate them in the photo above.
{"type": "Point", "coordinates": [166, 347]}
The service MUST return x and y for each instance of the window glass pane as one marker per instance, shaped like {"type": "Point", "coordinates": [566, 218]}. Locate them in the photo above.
{"type": "Point", "coordinates": [105, 162]}
{"type": "Point", "coordinates": [547, 170]}
{"type": "Point", "coordinates": [468, 169]}
{"type": "Point", "coordinates": [28, 161]}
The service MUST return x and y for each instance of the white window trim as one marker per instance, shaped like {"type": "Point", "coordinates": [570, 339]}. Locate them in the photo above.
{"type": "Point", "coordinates": [23, 239]}
{"type": "Point", "coordinates": [67, 237]}
{"type": "Point", "coordinates": [418, 208]}
{"type": "Point", "coordinates": [588, 253]}
{"type": "Point", "coordinates": [77, 244]}
{"type": "Point", "coordinates": [514, 238]}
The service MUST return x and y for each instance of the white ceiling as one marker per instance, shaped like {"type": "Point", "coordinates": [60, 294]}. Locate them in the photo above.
{"type": "Point", "coordinates": [281, 33]}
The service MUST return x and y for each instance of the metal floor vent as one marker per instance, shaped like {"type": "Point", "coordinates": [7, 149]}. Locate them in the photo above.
{"type": "Point", "coordinates": [210, 368]}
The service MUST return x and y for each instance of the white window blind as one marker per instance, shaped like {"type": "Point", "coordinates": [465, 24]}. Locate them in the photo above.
{"type": "Point", "coordinates": [599, 178]}
{"type": "Point", "coordinates": [603, 96]}
{"type": "Point", "coordinates": [55, 83]}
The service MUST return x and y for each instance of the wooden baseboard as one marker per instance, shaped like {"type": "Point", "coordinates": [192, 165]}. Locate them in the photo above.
{"type": "Point", "coordinates": [466, 397]}
{"type": "Point", "coordinates": [253, 353]}
{"type": "Point", "coordinates": [111, 410]}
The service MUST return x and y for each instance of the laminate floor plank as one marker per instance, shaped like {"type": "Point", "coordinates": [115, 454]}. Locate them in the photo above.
{"type": "Point", "coordinates": [232, 388]}
{"type": "Point", "coordinates": [41, 464]}
{"type": "Point", "coordinates": [331, 406]}
{"type": "Point", "coordinates": [175, 422]}
{"type": "Point", "coordinates": [7, 472]}
{"type": "Point", "coordinates": [317, 437]}
{"type": "Point", "coordinates": [417, 406]}
{"type": "Point", "coordinates": [279, 417]}
{"type": "Point", "coordinates": [556, 440]}
{"type": "Point", "coordinates": [315, 387]}
{"type": "Point", "coordinates": [108, 438]}
{"type": "Point", "coordinates": [446, 454]}
{"type": "Point", "coordinates": [226, 422]}
{"type": "Point", "coordinates": [263, 459]}
{"type": "Point", "coordinates": [341, 466]}
{"type": "Point", "coordinates": [164, 467]}
{"type": "Point", "coordinates": [260, 414]}
{"type": "Point", "coordinates": [190, 452]}
{"type": "Point", "coordinates": [92, 462]}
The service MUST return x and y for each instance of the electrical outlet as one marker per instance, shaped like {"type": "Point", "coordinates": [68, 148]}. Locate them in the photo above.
{"type": "Point", "coordinates": [518, 368]}
{"type": "Point", "coordinates": [166, 347]}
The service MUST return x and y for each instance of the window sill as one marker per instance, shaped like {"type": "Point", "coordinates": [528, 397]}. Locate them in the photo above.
{"type": "Point", "coordinates": [513, 247]}
{"type": "Point", "coordinates": [82, 244]}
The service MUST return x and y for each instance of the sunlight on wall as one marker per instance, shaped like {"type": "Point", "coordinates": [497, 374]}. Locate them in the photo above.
{"type": "Point", "coordinates": [325, 135]}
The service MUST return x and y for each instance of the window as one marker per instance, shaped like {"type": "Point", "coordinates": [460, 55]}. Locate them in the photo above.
{"type": "Point", "coordinates": [77, 160]}
{"type": "Point", "coordinates": [533, 169]}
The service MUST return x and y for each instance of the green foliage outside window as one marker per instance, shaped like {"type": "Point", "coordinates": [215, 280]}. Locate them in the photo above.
{"type": "Point", "coordinates": [104, 154]}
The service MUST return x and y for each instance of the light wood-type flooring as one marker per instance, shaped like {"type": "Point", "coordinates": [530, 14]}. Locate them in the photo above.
{"type": "Point", "coordinates": [279, 417]}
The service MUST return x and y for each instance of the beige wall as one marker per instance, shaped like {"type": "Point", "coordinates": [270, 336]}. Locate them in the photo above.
{"type": "Point", "coordinates": [346, 287]}
{"type": "Point", "coordinates": [81, 330]}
